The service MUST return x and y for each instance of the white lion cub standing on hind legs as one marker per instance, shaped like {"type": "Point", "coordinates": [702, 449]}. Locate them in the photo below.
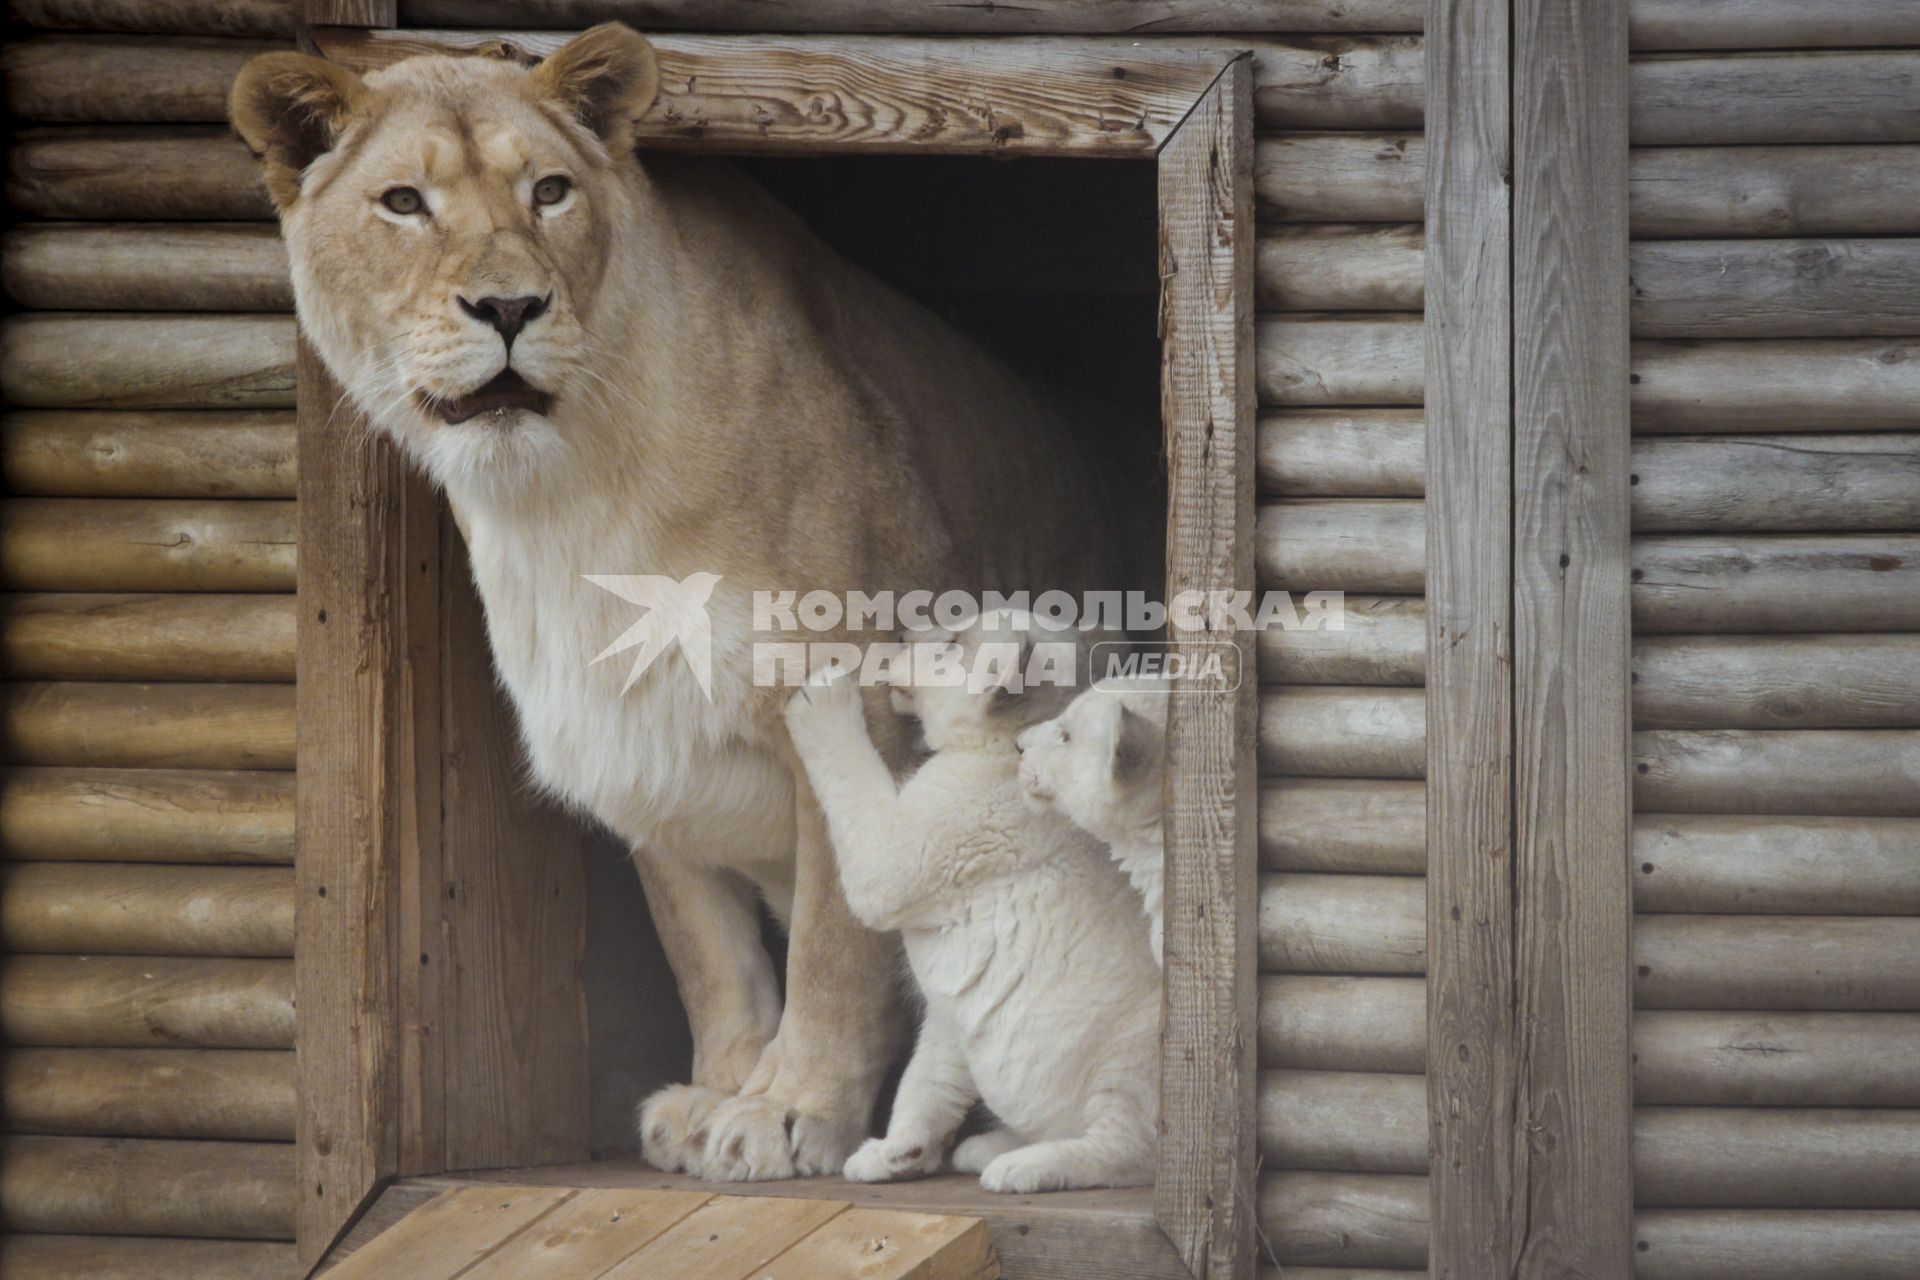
{"type": "Point", "coordinates": [1102, 763]}
{"type": "Point", "coordinates": [1042, 998]}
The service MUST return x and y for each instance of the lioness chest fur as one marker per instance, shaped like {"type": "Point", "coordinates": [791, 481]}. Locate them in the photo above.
{"type": "Point", "coordinates": [624, 368]}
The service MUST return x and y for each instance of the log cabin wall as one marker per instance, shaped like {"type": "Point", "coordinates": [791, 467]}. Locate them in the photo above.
{"type": "Point", "coordinates": [147, 636]}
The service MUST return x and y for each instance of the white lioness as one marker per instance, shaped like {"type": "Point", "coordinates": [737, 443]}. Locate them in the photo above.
{"type": "Point", "coordinates": [1102, 762]}
{"type": "Point", "coordinates": [1041, 997]}
{"type": "Point", "coordinates": [627, 366]}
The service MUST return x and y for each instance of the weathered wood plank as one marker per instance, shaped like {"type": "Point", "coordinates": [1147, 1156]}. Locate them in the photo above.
{"type": "Point", "coordinates": [1341, 732]}
{"type": "Point", "coordinates": [149, 726]}
{"type": "Point", "coordinates": [1774, 1244]}
{"type": "Point", "coordinates": [1790, 1157]}
{"type": "Point", "coordinates": [146, 815]}
{"type": "Point", "coordinates": [69, 908]}
{"type": "Point", "coordinates": [1343, 924]}
{"type": "Point", "coordinates": [187, 171]}
{"type": "Point", "coordinates": [1342, 453]}
{"type": "Point", "coordinates": [77, 360]}
{"type": "Point", "coordinates": [1341, 267]}
{"type": "Point", "coordinates": [146, 544]}
{"type": "Point", "coordinates": [96, 636]}
{"type": "Point", "coordinates": [1339, 1023]}
{"type": "Point", "coordinates": [1345, 1219]}
{"type": "Point", "coordinates": [1203, 1190]}
{"type": "Point", "coordinates": [1804, 384]}
{"type": "Point", "coordinates": [1768, 1059]}
{"type": "Point", "coordinates": [135, 1186]}
{"type": "Point", "coordinates": [1676, 192]}
{"type": "Point", "coordinates": [587, 1234]}
{"type": "Point", "coordinates": [1777, 682]}
{"type": "Point", "coordinates": [1688, 99]}
{"type": "Point", "coordinates": [87, 454]}
{"type": "Point", "coordinates": [891, 1246]}
{"type": "Point", "coordinates": [1787, 583]}
{"type": "Point", "coordinates": [131, 267]}
{"type": "Point", "coordinates": [162, 79]}
{"type": "Point", "coordinates": [1844, 772]}
{"type": "Point", "coordinates": [162, 17]}
{"type": "Point", "coordinates": [1344, 1121]}
{"type": "Point", "coordinates": [1776, 288]}
{"type": "Point", "coordinates": [727, 1236]}
{"type": "Point", "coordinates": [1341, 177]}
{"type": "Point", "coordinates": [1135, 17]}
{"type": "Point", "coordinates": [150, 1093]}
{"type": "Point", "coordinates": [134, 1002]}
{"type": "Point", "coordinates": [1343, 824]}
{"type": "Point", "coordinates": [1382, 640]}
{"type": "Point", "coordinates": [60, 1257]}
{"type": "Point", "coordinates": [1323, 358]}
{"type": "Point", "coordinates": [1741, 864]}
{"type": "Point", "coordinates": [1343, 544]}
{"type": "Point", "coordinates": [452, 1233]}
{"type": "Point", "coordinates": [1777, 962]}
{"type": "Point", "coordinates": [1776, 483]}
{"type": "Point", "coordinates": [1777, 24]}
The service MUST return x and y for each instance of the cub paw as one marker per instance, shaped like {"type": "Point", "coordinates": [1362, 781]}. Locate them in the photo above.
{"type": "Point", "coordinates": [673, 1127]}
{"type": "Point", "coordinates": [1026, 1170]}
{"type": "Point", "coordinates": [892, 1159]}
{"type": "Point", "coordinates": [829, 701]}
{"type": "Point", "coordinates": [982, 1149]}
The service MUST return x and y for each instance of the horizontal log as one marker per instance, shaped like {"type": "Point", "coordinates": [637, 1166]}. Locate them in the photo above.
{"type": "Point", "coordinates": [1342, 544]}
{"type": "Point", "coordinates": [1320, 359]}
{"type": "Point", "coordinates": [93, 454]}
{"type": "Point", "coordinates": [1314, 1022]}
{"type": "Point", "coordinates": [1802, 288]}
{"type": "Point", "coordinates": [1340, 267]}
{"type": "Point", "coordinates": [74, 360]}
{"type": "Point", "coordinates": [140, 1002]}
{"type": "Point", "coordinates": [74, 908]}
{"type": "Point", "coordinates": [1709, 192]}
{"type": "Point", "coordinates": [1381, 640]}
{"type": "Point", "coordinates": [150, 1093]}
{"type": "Point", "coordinates": [1743, 1157]}
{"type": "Point", "coordinates": [1870, 772]}
{"type": "Point", "coordinates": [89, 78]}
{"type": "Point", "coordinates": [1340, 1273]}
{"type": "Point", "coordinates": [1758, 1059]}
{"type": "Point", "coordinates": [149, 726]}
{"type": "Point", "coordinates": [1341, 177]}
{"type": "Point", "coordinates": [133, 1186]}
{"type": "Point", "coordinates": [1343, 1121]}
{"type": "Point", "coordinates": [1741, 864]}
{"type": "Point", "coordinates": [146, 544]}
{"type": "Point", "coordinates": [1344, 1219]}
{"type": "Point", "coordinates": [1777, 962]}
{"type": "Point", "coordinates": [1338, 731]}
{"type": "Point", "coordinates": [164, 17]}
{"type": "Point", "coordinates": [1339, 824]}
{"type": "Point", "coordinates": [1776, 483]}
{"type": "Point", "coordinates": [1805, 583]}
{"type": "Point", "coordinates": [1776, 682]}
{"type": "Point", "coordinates": [1770, 24]}
{"type": "Point", "coordinates": [135, 267]}
{"type": "Point", "coordinates": [95, 636]}
{"type": "Point", "coordinates": [146, 815]}
{"type": "Point", "coordinates": [1343, 924]}
{"type": "Point", "coordinates": [1339, 82]}
{"type": "Point", "coordinates": [1785, 384]}
{"type": "Point", "coordinates": [1775, 1244]}
{"type": "Point", "coordinates": [1698, 99]}
{"type": "Point", "coordinates": [134, 172]}
{"type": "Point", "coordinates": [1031, 17]}
{"type": "Point", "coordinates": [51, 1257]}
{"type": "Point", "coordinates": [1342, 453]}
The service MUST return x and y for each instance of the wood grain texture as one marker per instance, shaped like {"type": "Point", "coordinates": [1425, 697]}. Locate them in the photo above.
{"type": "Point", "coordinates": [1342, 732]}
{"type": "Point", "coordinates": [1804, 384]}
{"type": "Point", "coordinates": [146, 815]}
{"type": "Point", "coordinates": [61, 1257]}
{"type": "Point", "coordinates": [1777, 24]}
{"type": "Point", "coordinates": [1345, 1219]}
{"type": "Point", "coordinates": [1777, 682]}
{"type": "Point", "coordinates": [1381, 640]}
{"type": "Point", "coordinates": [104, 636]}
{"type": "Point", "coordinates": [1340, 267]}
{"type": "Point", "coordinates": [1762, 865]}
{"type": "Point", "coordinates": [452, 1232]}
{"type": "Point", "coordinates": [1788, 96]}
{"type": "Point", "coordinates": [352, 13]}
{"type": "Point", "coordinates": [162, 17]}
{"type": "Point", "coordinates": [1865, 190]}
{"type": "Point", "coordinates": [1343, 544]}
{"type": "Point", "coordinates": [1798, 288]}
{"type": "Point", "coordinates": [1341, 1023]}
{"type": "Point", "coordinates": [1343, 924]}
{"type": "Point", "coordinates": [1769, 1059]}
{"type": "Point", "coordinates": [153, 171]}
{"type": "Point", "coordinates": [1132, 17]}
{"type": "Point", "coordinates": [1786, 583]}
{"type": "Point", "coordinates": [1788, 1157]}
{"type": "Point", "coordinates": [1344, 1121]}
{"type": "Point", "coordinates": [130, 267]}
{"type": "Point", "coordinates": [1774, 1244]}
{"type": "Point", "coordinates": [1203, 1194]}
{"type": "Point", "coordinates": [1853, 772]}
{"type": "Point", "coordinates": [234, 1094]}
{"type": "Point", "coordinates": [1331, 358]}
{"type": "Point", "coordinates": [1777, 962]}
{"type": "Point", "coordinates": [857, 94]}
{"type": "Point", "coordinates": [1473, 1087]}
{"type": "Point", "coordinates": [146, 544]}
{"type": "Point", "coordinates": [136, 1002]}
{"type": "Point", "coordinates": [76, 360]}
{"type": "Point", "coordinates": [87, 454]}
{"type": "Point", "coordinates": [1341, 177]}
{"type": "Point", "coordinates": [1776, 483]}
{"type": "Point", "coordinates": [148, 726]}
{"type": "Point", "coordinates": [89, 78]}
{"type": "Point", "coordinates": [588, 1233]}
{"type": "Point", "coordinates": [1343, 824]}
{"type": "Point", "coordinates": [133, 1186]}
{"type": "Point", "coordinates": [72, 908]}
{"type": "Point", "coordinates": [1343, 453]}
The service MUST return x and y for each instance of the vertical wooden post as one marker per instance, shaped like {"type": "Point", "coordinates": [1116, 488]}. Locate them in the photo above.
{"type": "Point", "coordinates": [1527, 744]}
{"type": "Point", "coordinates": [1572, 634]}
{"type": "Point", "coordinates": [1204, 1193]}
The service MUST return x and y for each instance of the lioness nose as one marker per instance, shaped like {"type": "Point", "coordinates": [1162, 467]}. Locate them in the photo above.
{"type": "Point", "coordinates": [508, 315]}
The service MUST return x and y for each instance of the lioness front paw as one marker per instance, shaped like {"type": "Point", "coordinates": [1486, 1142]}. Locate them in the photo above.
{"type": "Point", "coordinates": [755, 1139]}
{"type": "Point", "coordinates": [892, 1159]}
{"type": "Point", "coordinates": [673, 1127]}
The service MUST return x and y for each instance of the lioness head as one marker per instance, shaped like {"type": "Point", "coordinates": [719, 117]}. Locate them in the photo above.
{"type": "Point", "coordinates": [450, 222]}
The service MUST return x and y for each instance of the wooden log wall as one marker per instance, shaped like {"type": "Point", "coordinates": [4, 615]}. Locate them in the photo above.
{"type": "Point", "coordinates": [147, 641]}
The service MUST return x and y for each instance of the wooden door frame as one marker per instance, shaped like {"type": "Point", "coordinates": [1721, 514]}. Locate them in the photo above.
{"type": "Point", "coordinates": [375, 704]}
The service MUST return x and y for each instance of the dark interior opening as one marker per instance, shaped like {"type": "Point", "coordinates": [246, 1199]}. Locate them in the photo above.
{"type": "Point", "coordinates": [1052, 265]}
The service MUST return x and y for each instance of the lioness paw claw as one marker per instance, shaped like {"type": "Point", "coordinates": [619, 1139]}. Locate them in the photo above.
{"type": "Point", "coordinates": [673, 1127]}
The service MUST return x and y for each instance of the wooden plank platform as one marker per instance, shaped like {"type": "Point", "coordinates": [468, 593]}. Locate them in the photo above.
{"type": "Point", "coordinates": [1066, 1235]}
{"type": "Point", "coordinates": [502, 1232]}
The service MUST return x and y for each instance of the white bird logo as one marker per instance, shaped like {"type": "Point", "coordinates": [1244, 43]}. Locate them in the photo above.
{"type": "Point", "coordinates": [675, 611]}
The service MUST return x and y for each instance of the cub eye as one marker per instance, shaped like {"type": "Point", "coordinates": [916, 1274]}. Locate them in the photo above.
{"type": "Point", "coordinates": [551, 190]}
{"type": "Point", "coordinates": [403, 201]}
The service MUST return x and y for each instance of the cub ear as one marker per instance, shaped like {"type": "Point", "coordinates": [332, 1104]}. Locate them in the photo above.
{"type": "Point", "coordinates": [605, 78]}
{"type": "Point", "coordinates": [290, 109]}
{"type": "Point", "coordinates": [1136, 746]}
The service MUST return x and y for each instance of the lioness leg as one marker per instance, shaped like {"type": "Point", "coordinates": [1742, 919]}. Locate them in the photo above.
{"type": "Point", "coordinates": [810, 1099]}
{"type": "Point", "coordinates": [710, 930]}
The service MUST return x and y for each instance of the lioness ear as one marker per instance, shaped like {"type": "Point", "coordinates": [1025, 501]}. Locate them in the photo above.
{"type": "Point", "coordinates": [1136, 747]}
{"type": "Point", "coordinates": [605, 78]}
{"type": "Point", "coordinates": [290, 110]}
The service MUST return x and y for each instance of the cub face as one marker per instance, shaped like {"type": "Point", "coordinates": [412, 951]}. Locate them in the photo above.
{"type": "Point", "coordinates": [450, 223]}
{"type": "Point", "coordinates": [1100, 761]}
{"type": "Point", "coordinates": [987, 695]}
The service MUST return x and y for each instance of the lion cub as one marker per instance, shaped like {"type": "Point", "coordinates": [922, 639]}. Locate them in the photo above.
{"type": "Point", "coordinates": [1042, 998]}
{"type": "Point", "coordinates": [1101, 763]}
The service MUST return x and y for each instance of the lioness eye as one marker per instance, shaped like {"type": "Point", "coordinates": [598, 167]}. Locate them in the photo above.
{"type": "Point", "coordinates": [403, 200]}
{"type": "Point", "coordinates": [551, 190]}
